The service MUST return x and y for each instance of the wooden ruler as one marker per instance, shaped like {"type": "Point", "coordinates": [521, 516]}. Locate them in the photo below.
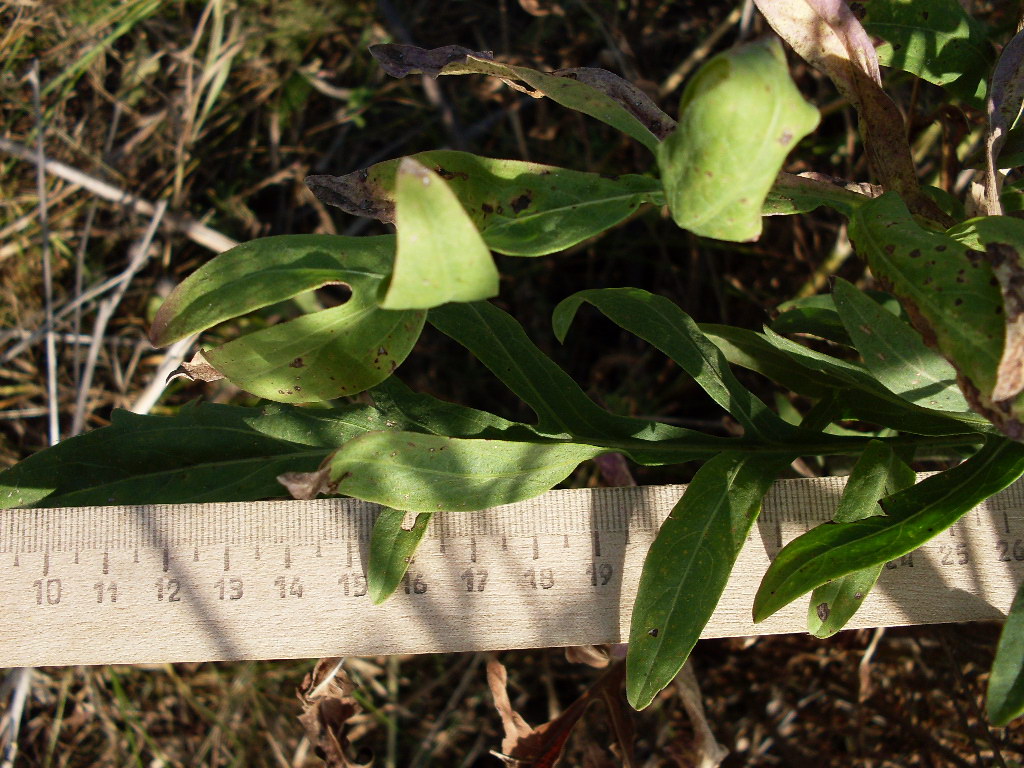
{"type": "Point", "coordinates": [286, 579]}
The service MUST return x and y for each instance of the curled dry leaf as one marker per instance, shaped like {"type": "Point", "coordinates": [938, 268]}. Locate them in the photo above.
{"type": "Point", "coordinates": [600, 94]}
{"type": "Point", "coordinates": [1005, 99]}
{"type": "Point", "coordinates": [541, 747]}
{"type": "Point", "coordinates": [596, 656]}
{"type": "Point", "coordinates": [197, 369]}
{"type": "Point", "coordinates": [541, 8]}
{"type": "Point", "coordinates": [635, 101]}
{"type": "Point", "coordinates": [401, 60]}
{"type": "Point", "coordinates": [708, 752]}
{"type": "Point", "coordinates": [327, 706]}
{"type": "Point", "coordinates": [308, 485]}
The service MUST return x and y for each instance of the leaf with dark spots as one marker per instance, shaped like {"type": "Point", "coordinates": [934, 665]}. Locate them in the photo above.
{"type": "Point", "coordinates": [969, 332]}
{"type": "Point", "coordinates": [401, 60]}
{"type": "Point", "coordinates": [635, 101]}
{"type": "Point", "coordinates": [602, 96]}
{"type": "Point", "coordinates": [721, 161]}
{"type": "Point", "coordinates": [521, 209]}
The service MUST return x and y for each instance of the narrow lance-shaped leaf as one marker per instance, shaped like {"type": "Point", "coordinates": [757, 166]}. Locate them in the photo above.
{"type": "Point", "coordinates": [1005, 696]}
{"type": "Point", "coordinates": [597, 93]}
{"type": "Point", "coordinates": [426, 473]}
{"type": "Point", "coordinates": [828, 35]}
{"type": "Point", "coordinates": [895, 354]}
{"type": "Point", "coordinates": [688, 566]}
{"type": "Point", "coordinates": [202, 453]}
{"type": "Point", "coordinates": [562, 408]}
{"type": "Point", "coordinates": [660, 322]}
{"type": "Point", "coordinates": [441, 256]}
{"type": "Point", "coordinates": [877, 473]}
{"type": "Point", "coordinates": [520, 208]}
{"type": "Point", "coordinates": [934, 39]}
{"type": "Point", "coordinates": [739, 116]}
{"type": "Point", "coordinates": [912, 517]}
{"type": "Point", "coordinates": [319, 356]}
{"type": "Point", "coordinates": [392, 547]}
{"type": "Point", "coordinates": [873, 402]}
{"type": "Point", "coordinates": [949, 291]}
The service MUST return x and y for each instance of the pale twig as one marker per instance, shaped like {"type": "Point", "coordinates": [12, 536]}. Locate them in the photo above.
{"type": "Point", "coordinates": [173, 359]}
{"type": "Point", "coordinates": [44, 226]}
{"type": "Point", "coordinates": [21, 681]}
{"type": "Point", "coordinates": [678, 75]}
{"type": "Point", "coordinates": [198, 233]}
{"type": "Point", "coordinates": [106, 311]}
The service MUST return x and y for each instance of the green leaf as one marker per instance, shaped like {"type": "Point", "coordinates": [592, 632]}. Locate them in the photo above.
{"type": "Point", "coordinates": [911, 518]}
{"type": "Point", "coordinates": [895, 354]}
{"type": "Point", "coordinates": [739, 117]}
{"type": "Point", "coordinates": [338, 351]}
{"type": "Point", "coordinates": [1005, 698]}
{"type": "Point", "coordinates": [792, 194]}
{"type": "Point", "coordinates": [878, 472]}
{"type": "Point", "coordinates": [660, 322]}
{"type": "Point", "coordinates": [427, 473]}
{"type": "Point", "coordinates": [814, 315]}
{"type": "Point", "coordinates": [423, 413]}
{"type": "Point", "coordinates": [562, 408]}
{"type": "Point", "coordinates": [874, 402]}
{"type": "Point", "coordinates": [391, 550]}
{"type": "Point", "coordinates": [593, 92]}
{"type": "Point", "coordinates": [441, 256]}
{"type": "Point", "coordinates": [948, 290]}
{"type": "Point", "coordinates": [688, 565]}
{"type": "Point", "coordinates": [203, 453]}
{"type": "Point", "coordinates": [520, 208]}
{"type": "Point", "coordinates": [935, 40]}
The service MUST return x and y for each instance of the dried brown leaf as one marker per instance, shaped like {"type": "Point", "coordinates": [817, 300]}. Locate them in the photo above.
{"type": "Point", "coordinates": [596, 656]}
{"type": "Point", "coordinates": [327, 706]}
{"type": "Point", "coordinates": [541, 747]}
{"type": "Point", "coordinates": [709, 753]}
{"type": "Point", "coordinates": [541, 8]}
{"type": "Point", "coordinates": [401, 60]}
{"type": "Point", "coordinates": [634, 100]}
{"type": "Point", "coordinates": [197, 369]}
{"type": "Point", "coordinates": [829, 36]}
{"type": "Point", "coordinates": [308, 485]}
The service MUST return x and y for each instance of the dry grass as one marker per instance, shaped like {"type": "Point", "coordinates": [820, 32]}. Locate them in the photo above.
{"type": "Point", "coordinates": [188, 125]}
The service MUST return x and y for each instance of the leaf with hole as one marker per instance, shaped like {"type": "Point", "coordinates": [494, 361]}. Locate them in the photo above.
{"type": "Point", "coordinates": [392, 547]}
{"type": "Point", "coordinates": [338, 351]}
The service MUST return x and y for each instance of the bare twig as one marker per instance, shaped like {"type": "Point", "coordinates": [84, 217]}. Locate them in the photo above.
{"type": "Point", "coordinates": [198, 233]}
{"type": "Point", "coordinates": [697, 56]}
{"type": "Point", "coordinates": [106, 311]}
{"type": "Point", "coordinates": [44, 226]}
